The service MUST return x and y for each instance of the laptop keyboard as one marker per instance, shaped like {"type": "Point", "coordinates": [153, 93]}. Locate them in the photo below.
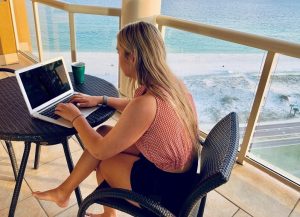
{"type": "Point", "coordinates": [49, 112]}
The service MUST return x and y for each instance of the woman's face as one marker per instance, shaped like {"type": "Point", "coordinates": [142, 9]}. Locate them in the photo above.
{"type": "Point", "coordinates": [126, 63]}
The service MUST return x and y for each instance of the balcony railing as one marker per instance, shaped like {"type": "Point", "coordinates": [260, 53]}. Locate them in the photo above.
{"type": "Point", "coordinates": [273, 47]}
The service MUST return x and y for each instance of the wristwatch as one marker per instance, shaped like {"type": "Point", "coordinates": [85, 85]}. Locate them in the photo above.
{"type": "Point", "coordinates": [105, 98]}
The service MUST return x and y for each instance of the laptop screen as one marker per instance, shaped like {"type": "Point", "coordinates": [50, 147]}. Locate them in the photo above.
{"type": "Point", "coordinates": [44, 83]}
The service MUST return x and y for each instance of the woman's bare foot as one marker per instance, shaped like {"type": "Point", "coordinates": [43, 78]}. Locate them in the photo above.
{"type": "Point", "coordinates": [55, 195]}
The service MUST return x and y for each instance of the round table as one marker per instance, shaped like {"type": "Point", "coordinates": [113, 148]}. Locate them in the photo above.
{"type": "Point", "coordinates": [17, 125]}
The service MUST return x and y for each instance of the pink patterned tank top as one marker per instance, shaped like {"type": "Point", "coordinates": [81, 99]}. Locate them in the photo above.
{"type": "Point", "coordinates": [165, 143]}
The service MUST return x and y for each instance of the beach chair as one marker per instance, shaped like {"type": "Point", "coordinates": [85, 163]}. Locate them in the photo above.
{"type": "Point", "coordinates": [218, 156]}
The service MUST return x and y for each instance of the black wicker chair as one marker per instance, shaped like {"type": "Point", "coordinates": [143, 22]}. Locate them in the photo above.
{"type": "Point", "coordinates": [217, 159]}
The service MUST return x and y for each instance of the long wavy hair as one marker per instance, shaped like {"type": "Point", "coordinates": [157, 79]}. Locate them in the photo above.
{"type": "Point", "coordinates": [145, 42]}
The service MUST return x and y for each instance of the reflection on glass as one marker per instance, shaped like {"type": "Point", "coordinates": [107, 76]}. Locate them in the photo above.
{"type": "Point", "coordinates": [45, 83]}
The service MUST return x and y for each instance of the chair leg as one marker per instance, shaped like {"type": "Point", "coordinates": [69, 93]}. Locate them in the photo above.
{"type": "Point", "coordinates": [12, 158]}
{"type": "Point", "coordinates": [37, 156]}
{"type": "Point", "coordinates": [19, 180]}
{"type": "Point", "coordinates": [68, 156]}
{"type": "Point", "coordinates": [202, 205]}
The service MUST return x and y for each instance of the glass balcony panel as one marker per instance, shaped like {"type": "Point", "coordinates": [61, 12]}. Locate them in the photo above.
{"type": "Point", "coordinates": [33, 50]}
{"type": "Point", "coordinates": [221, 76]}
{"type": "Point", "coordinates": [55, 33]}
{"type": "Point", "coordinates": [276, 140]}
{"type": "Point", "coordinates": [96, 38]}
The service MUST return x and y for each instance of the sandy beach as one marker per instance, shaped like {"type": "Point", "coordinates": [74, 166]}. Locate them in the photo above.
{"type": "Point", "coordinates": [185, 64]}
{"type": "Point", "coordinates": [220, 83]}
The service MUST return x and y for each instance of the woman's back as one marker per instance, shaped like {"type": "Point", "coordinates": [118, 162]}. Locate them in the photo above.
{"type": "Point", "coordinates": [166, 143]}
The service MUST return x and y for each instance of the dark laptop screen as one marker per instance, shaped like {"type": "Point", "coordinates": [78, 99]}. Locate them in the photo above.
{"type": "Point", "coordinates": [44, 83]}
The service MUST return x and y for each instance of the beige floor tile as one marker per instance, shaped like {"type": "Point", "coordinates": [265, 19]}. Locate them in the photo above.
{"type": "Point", "coordinates": [3, 153]}
{"type": "Point", "coordinates": [7, 185]}
{"type": "Point", "coordinates": [52, 174]}
{"type": "Point", "coordinates": [27, 208]}
{"type": "Point", "coordinates": [241, 213]}
{"type": "Point", "coordinates": [296, 211]}
{"type": "Point", "coordinates": [259, 194]}
{"type": "Point", "coordinates": [218, 206]}
{"type": "Point", "coordinates": [72, 211]}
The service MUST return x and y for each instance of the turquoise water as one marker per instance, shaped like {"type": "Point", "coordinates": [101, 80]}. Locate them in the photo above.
{"type": "Point", "coordinates": [274, 18]}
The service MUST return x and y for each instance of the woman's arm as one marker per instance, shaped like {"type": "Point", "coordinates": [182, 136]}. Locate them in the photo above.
{"type": "Point", "coordinates": [82, 100]}
{"type": "Point", "coordinates": [117, 103]}
{"type": "Point", "coordinates": [133, 123]}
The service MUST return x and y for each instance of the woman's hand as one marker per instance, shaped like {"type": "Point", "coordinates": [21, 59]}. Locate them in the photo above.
{"type": "Point", "coordinates": [83, 100]}
{"type": "Point", "coordinates": [67, 111]}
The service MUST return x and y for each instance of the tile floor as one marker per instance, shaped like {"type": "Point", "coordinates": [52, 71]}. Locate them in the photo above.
{"type": "Point", "coordinates": [249, 191]}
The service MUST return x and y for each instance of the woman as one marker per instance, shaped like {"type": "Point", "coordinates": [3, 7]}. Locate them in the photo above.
{"type": "Point", "coordinates": [152, 149]}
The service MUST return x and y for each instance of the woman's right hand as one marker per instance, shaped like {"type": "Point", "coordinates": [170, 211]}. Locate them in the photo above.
{"type": "Point", "coordinates": [83, 100]}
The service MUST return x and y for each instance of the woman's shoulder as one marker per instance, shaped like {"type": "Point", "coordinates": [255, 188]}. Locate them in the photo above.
{"type": "Point", "coordinates": [146, 99]}
{"type": "Point", "coordinates": [142, 108]}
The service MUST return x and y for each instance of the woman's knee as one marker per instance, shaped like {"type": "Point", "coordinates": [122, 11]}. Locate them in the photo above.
{"type": "Point", "coordinates": [104, 129]}
{"type": "Point", "coordinates": [116, 170]}
{"type": "Point", "coordinates": [117, 166]}
{"type": "Point", "coordinates": [105, 167]}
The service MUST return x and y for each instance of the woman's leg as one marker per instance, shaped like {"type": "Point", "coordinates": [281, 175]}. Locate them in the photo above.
{"type": "Point", "coordinates": [61, 195]}
{"type": "Point", "coordinates": [116, 172]}
{"type": "Point", "coordinates": [86, 164]}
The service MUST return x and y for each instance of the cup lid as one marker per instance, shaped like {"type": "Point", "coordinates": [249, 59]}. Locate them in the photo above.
{"type": "Point", "coordinates": [78, 64]}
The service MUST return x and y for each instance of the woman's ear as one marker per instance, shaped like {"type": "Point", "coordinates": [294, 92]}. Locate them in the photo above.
{"type": "Point", "coordinates": [131, 57]}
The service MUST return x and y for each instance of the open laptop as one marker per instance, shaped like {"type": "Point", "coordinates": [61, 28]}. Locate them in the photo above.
{"type": "Point", "coordinates": [43, 86]}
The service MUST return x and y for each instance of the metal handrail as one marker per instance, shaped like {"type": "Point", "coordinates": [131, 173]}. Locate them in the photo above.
{"type": "Point", "coordinates": [248, 39]}
{"type": "Point", "coordinates": [82, 9]}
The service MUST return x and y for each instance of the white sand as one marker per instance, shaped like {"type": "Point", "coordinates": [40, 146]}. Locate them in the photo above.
{"type": "Point", "coordinates": [220, 83]}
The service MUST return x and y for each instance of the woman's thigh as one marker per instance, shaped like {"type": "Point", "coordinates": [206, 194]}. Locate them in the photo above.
{"type": "Point", "coordinates": [116, 170]}
{"type": "Point", "coordinates": [104, 129]}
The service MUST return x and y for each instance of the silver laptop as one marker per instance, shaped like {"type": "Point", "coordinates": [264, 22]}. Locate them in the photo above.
{"type": "Point", "coordinates": [43, 86]}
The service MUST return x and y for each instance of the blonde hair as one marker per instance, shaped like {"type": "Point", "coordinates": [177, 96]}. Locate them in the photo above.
{"type": "Point", "coordinates": [144, 41]}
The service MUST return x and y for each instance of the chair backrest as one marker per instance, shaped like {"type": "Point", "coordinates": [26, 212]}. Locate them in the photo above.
{"type": "Point", "coordinates": [218, 156]}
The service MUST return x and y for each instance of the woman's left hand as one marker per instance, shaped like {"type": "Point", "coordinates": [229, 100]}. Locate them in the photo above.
{"type": "Point", "coordinates": [67, 111]}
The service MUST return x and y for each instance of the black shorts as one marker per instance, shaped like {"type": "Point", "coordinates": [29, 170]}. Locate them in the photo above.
{"type": "Point", "coordinates": [170, 189]}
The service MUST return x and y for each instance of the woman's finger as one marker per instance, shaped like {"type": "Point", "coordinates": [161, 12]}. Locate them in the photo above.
{"type": "Point", "coordinates": [78, 99]}
{"type": "Point", "coordinates": [58, 112]}
{"type": "Point", "coordinates": [59, 106]}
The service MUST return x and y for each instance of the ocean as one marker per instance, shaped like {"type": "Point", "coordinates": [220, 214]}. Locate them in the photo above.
{"type": "Point", "coordinates": [273, 18]}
